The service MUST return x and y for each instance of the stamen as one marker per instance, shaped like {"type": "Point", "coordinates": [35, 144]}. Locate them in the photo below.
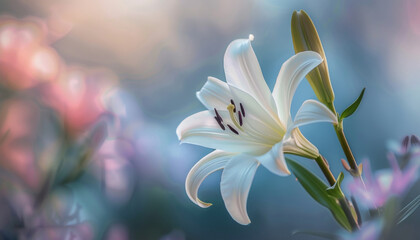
{"type": "Point", "coordinates": [232, 129]}
{"type": "Point", "coordinates": [242, 109]}
{"type": "Point", "coordinates": [218, 116]}
{"type": "Point", "coordinates": [230, 107]}
{"type": "Point", "coordinates": [240, 118]}
{"type": "Point", "coordinates": [233, 103]}
{"type": "Point", "coordinates": [219, 121]}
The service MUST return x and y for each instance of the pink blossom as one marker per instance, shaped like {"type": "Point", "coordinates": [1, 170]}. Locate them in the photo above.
{"type": "Point", "coordinates": [26, 59]}
{"type": "Point", "coordinates": [20, 119]}
{"type": "Point", "coordinates": [77, 96]}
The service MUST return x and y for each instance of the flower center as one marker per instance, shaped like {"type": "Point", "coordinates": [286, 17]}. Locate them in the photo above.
{"type": "Point", "coordinates": [237, 121]}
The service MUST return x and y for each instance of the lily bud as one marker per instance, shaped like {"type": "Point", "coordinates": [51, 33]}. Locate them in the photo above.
{"type": "Point", "coordinates": [305, 38]}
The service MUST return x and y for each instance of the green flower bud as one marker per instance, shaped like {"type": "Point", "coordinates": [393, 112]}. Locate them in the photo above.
{"type": "Point", "coordinates": [305, 38]}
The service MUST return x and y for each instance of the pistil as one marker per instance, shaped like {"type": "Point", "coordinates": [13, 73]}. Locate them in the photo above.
{"type": "Point", "coordinates": [231, 109]}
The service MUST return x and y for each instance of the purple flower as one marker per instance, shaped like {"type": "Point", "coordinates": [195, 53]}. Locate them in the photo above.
{"type": "Point", "coordinates": [383, 184]}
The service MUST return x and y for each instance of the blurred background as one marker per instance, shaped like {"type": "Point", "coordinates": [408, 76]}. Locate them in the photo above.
{"type": "Point", "coordinates": [93, 90]}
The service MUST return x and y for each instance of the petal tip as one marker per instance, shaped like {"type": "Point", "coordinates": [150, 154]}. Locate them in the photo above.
{"type": "Point", "coordinates": [284, 170]}
{"type": "Point", "coordinates": [247, 222]}
{"type": "Point", "coordinates": [243, 220]}
{"type": "Point", "coordinates": [179, 134]}
{"type": "Point", "coordinates": [203, 204]}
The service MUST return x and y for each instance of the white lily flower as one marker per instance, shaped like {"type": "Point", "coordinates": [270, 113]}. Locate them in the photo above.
{"type": "Point", "coordinates": [249, 125]}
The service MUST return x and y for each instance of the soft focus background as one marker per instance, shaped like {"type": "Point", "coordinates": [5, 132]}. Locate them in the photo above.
{"type": "Point", "coordinates": [111, 80]}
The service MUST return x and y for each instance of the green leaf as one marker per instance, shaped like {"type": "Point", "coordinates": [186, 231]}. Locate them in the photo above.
{"type": "Point", "coordinates": [335, 191]}
{"type": "Point", "coordinates": [352, 108]}
{"type": "Point", "coordinates": [80, 154]}
{"type": "Point", "coordinates": [317, 189]}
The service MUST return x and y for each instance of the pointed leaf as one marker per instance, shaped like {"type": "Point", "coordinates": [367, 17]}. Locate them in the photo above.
{"type": "Point", "coordinates": [318, 191]}
{"type": "Point", "coordinates": [80, 154]}
{"type": "Point", "coordinates": [335, 191]}
{"type": "Point", "coordinates": [352, 108]}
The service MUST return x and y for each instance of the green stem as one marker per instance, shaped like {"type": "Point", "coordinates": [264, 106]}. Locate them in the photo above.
{"type": "Point", "coordinates": [346, 148]}
{"type": "Point", "coordinates": [325, 170]}
{"type": "Point", "coordinates": [323, 165]}
{"type": "Point", "coordinates": [52, 175]}
{"type": "Point", "coordinates": [347, 211]}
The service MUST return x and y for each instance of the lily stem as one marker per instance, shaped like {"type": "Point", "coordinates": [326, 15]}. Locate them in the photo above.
{"type": "Point", "coordinates": [346, 208]}
{"type": "Point", "coordinates": [346, 148]}
{"type": "Point", "coordinates": [323, 165]}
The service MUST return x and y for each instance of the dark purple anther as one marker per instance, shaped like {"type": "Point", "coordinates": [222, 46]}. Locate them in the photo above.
{"type": "Point", "coordinates": [220, 123]}
{"type": "Point", "coordinates": [234, 106]}
{"type": "Point", "coordinates": [218, 117]}
{"type": "Point", "coordinates": [240, 117]}
{"type": "Point", "coordinates": [242, 109]}
{"type": "Point", "coordinates": [233, 130]}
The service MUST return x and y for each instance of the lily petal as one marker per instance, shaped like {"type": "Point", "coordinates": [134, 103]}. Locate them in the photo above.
{"type": "Point", "coordinates": [313, 111]}
{"type": "Point", "coordinates": [214, 94]}
{"type": "Point", "coordinates": [243, 71]}
{"type": "Point", "coordinates": [296, 143]}
{"type": "Point", "coordinates": [236, 181]}
{"type": "Point", "coordinates": [203, 130]}
{"type": "Point", "coordinates": [274, 160]}
{"type": "Point", "coordinates": [291, 74]}
{"type": "Point", "coordinates": [253, 107]}
{"type": "Point", "coordinates": [212, 162]}
{"type": "Point", "coordinates": [254, 129]}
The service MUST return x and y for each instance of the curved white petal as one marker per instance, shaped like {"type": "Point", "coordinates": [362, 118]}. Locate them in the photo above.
{"type": "Point", "coordinates": [214, 94]}
{"type": "Point", "coordinates": [202, 129]}
{"type": "Point", "coordinates": [274, 160]}
{"type": "Point", "coordinates": [212, 162]}
{"type": "Point", "coordinates": [243, 71]}
{"type": "Point", "coordinates": [291, 74]}
{"type": "Point", "coordinates": [236, 181]}
{"type": "Point", "coordinates": [295, 143]}
{"type": "Point", "coordinates": [313, 111]}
